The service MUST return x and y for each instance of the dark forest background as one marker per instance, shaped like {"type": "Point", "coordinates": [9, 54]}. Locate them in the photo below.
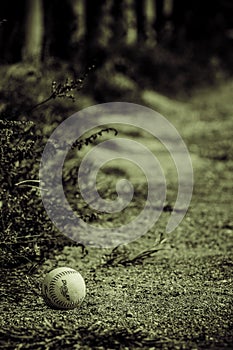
{"type": "Point", "coordinates": [35, 30]}
{"type": "Point", "coordinates": [138, 38]}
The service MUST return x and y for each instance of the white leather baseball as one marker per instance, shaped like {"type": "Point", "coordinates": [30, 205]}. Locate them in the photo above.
{"type": "Point", "coordinates": [63, 288]}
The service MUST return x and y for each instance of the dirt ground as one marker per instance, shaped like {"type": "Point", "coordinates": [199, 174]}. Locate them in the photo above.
{"type": "Point", "coordinates": [176, 296]}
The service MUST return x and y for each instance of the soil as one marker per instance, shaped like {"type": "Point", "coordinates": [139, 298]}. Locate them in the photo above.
{"type": "Point", "coordinates": [161, 291]}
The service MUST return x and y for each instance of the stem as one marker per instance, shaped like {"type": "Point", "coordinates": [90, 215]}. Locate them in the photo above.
{"type": "Point", "coordinates": [40, 103]}
{"type": "Point", "coordinates": [26, 181]}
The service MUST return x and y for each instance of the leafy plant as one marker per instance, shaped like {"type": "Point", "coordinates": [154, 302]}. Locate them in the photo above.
{"type": "Point", "coordinates": [63, 90]}
{"type": "Point", "coordinates": [25, 230]}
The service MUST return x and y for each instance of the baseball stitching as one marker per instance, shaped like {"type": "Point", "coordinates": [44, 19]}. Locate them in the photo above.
{"type": "Point", "coordinates": [52, 291]}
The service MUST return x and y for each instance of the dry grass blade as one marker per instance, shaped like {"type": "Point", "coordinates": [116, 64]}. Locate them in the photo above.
{"type": "Point", "coordinates": [120, 255]}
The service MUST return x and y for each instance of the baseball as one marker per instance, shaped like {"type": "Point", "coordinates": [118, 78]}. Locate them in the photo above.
{"type": "Point", "coordinates": [63, 288]}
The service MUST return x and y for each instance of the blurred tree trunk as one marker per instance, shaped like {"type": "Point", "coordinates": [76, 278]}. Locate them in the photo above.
{"type": "Point", "coordinates": [178, 17]}
{"type": "Point", "coordinates": [79, 12]}
{"type": "Point", "coordinates": [141, 20]}
{"type": "Point", "coordinates": [34, 32]}
{"type": "Point", "coordinates": [150, 20]}
{"type": "Point", "coordinates": [93, 22]}
{"type": "Point", "coordinates": [59, 27]}
{"type": "Point", "coordinates": [159, 19]}
{"type": "Point", "coordinates": [118, 21]}
{"type": "Point", "coordinates": [12, 30]}
{"type": "Point", "coordinates": [130, 22]}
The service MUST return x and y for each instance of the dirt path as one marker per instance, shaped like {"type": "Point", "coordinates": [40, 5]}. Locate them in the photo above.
{"type": "Point", "coordinates": [177, 298]}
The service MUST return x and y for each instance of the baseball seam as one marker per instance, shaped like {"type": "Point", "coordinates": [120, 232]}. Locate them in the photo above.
{"type": "Point", "coordinates": [55, 301]}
